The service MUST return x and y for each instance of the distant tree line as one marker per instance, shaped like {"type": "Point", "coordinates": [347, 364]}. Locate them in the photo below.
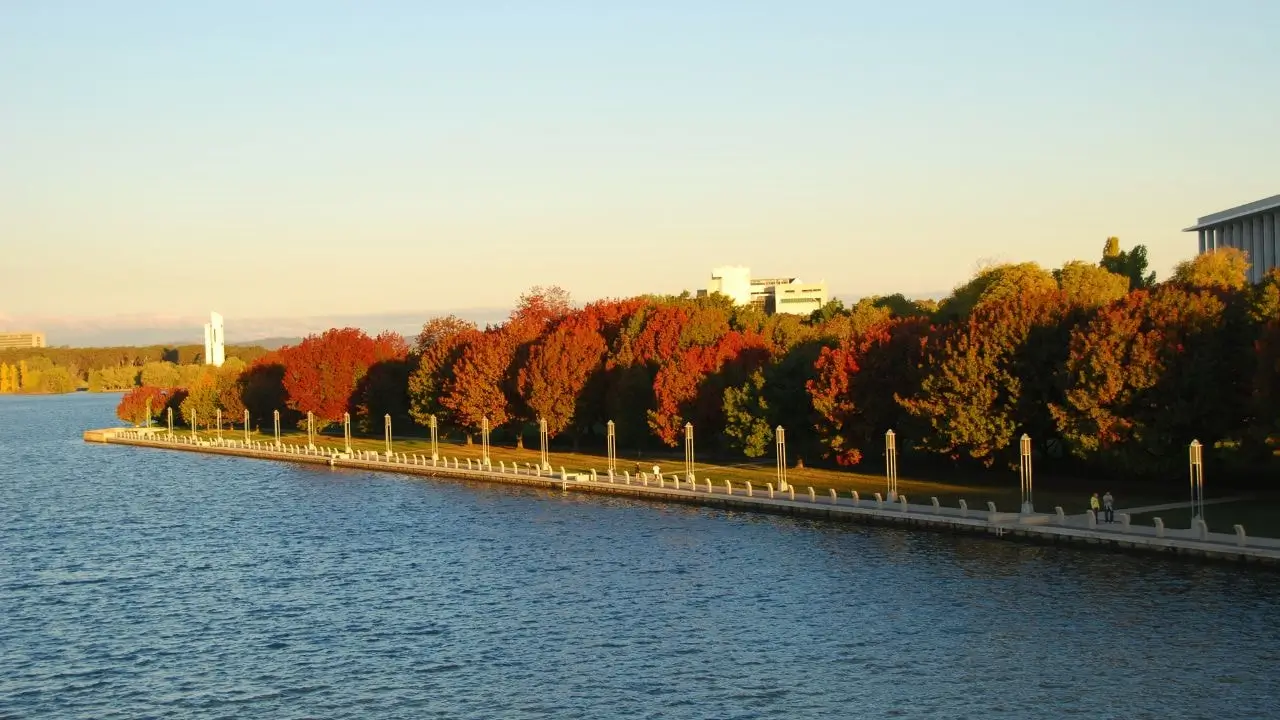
{"type": "Point", "coordinates": [1102, 366]}
{"type": "Point", "coordinates": [60, 370]}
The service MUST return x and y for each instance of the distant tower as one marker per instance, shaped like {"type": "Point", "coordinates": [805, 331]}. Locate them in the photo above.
{"type": "Point", "coordinates": [215, 352]}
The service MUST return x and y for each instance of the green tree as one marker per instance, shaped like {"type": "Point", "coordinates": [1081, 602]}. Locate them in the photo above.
{"type": "Point", "coordinates": [1131, 264]}
{"type": "Point", "coordinates": [747, 417]}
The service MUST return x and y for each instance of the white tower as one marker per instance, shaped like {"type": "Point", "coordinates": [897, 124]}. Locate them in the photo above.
{"type": "Point", "coordinates": [215, 352]}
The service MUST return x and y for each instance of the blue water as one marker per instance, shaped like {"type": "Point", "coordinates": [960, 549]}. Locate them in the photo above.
{"type": "Point", "coordinates": [143, 583]}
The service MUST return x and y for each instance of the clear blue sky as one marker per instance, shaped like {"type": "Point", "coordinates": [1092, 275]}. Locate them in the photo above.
{"type": "Point", "coordinates": [302, 158]}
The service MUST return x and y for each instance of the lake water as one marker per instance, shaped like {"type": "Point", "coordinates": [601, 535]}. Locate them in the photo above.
{"type": "Point", "coordinates": [144, 583]}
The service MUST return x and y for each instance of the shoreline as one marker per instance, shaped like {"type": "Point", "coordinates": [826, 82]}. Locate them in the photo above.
{"type": "Point", "coordinates": [1040, 528]}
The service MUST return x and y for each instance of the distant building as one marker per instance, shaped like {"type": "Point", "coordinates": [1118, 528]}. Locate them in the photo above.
{"type": "Point", "coordinates": [215, 352]}
{"type": "Point", "coordinates": [771, 295]}
{"type": "Point", "coordinates": [1253, 228]}
{"type": "Point", "coordinates": [12, 340]}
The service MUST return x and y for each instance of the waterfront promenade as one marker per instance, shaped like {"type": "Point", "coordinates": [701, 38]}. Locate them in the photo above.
{"type": "Point", "coordinates": [1052, 527]}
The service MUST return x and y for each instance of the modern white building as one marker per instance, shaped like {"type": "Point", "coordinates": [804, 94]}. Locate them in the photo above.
{"type": "Point", "coordinates": [11, 340]}
{"type": "Point", "coordinates": [772, 295]}
{"type": "Point", "coordinates": [732, 281]}
{"type": "Point", "coordinates": [215, 351]}
{"type": "Point", "coordinates": [1253, 227]}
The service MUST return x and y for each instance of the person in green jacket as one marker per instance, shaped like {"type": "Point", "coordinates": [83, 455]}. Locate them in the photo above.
{"type": "Point", "coordinates": [1095, 505]}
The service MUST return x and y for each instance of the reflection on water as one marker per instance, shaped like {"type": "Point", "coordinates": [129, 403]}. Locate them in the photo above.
{"type": "Point", "coordinates": [151, 583]}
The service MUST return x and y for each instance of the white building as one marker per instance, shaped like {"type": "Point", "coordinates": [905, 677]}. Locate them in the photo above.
{"type": "Point", "coordinates": [1253, 227]}
{"type": "Point", "coordinates": [215, 352]}
{"type": "Point", "coordinates": [733, 282]}
{"type": "Point", "coordinates": [772, 295]}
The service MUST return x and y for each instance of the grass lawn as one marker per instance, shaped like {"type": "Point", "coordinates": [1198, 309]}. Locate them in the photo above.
{"type": "Point", "coordinates": [1260, 517]}
{"type": "Point", "coordinates": [949, 492]}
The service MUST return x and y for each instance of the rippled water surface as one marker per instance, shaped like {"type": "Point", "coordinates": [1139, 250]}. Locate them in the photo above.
{"type": "Point", "coordinates": [144, 583]}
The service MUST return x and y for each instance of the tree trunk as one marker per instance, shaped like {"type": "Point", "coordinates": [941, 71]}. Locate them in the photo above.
{"type": "Point", "coordinates": [468, 439]}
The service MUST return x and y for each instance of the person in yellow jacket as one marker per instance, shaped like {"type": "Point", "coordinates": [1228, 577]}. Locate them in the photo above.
{"type": "Point", "coordinates": [1095, 504]}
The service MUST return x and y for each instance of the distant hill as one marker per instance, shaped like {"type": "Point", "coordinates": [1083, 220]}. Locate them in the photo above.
{"type": "Point", "coordinates": [271, 343]}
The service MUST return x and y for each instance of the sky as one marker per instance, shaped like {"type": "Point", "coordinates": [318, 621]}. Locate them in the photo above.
{"type": "Point", "coordinates": [301, 159]}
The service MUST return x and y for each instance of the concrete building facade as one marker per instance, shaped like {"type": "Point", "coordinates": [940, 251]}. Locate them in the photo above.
{"type": "Point", "coordinates": [1253, 227]}
{"type": "Point", "coordinates": [771, 295]}
{"type": "Point", "coordinates": [215, 352]}
{"type": "Point", "coordinates": [13, 340]}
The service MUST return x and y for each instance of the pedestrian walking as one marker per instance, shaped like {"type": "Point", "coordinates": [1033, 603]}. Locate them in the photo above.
{"type": "Point", "coordinates": [1109, 506]}
{"type": "Point", "coordinates": [1095, 505]}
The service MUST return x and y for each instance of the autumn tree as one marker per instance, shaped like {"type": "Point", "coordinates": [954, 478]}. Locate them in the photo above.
{"type": "Point", "coordinates": [855, 384]}
{"type": "Point", "coordinates": [690, 386]}
{"type": "Point", "coordinates": [558, 368]}
{"type": "Point", "coordinates": [477, 389]}
{"type": "Point", "coordinates": [1090, 286]}
{"type": "Point", "coordinates": [989, 379]}
{"type": "Point", "coordinates": [134, 404]}
{"type": "Point", "coordinates": [1147, 375]}
{"type": "Point", "coordinates": [1226, 268]}
{"type": "Point", "coordinates": [321, 373]}
{"type": "Point", "coordinates": [438, 348]}
{"type": "Point", "coordinates": [994, 284]}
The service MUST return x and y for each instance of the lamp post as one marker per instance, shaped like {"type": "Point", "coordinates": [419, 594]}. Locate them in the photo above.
{"type": "Point", "coordinates": [431, 423]}
{"type": "Point", "coordinates": [275, 416]}
{"type": "Point", "coordinates": [246, 426]}
{"type": "Point", "coordinates": [148, 412]}
{"type": "Point", "coordinates": [1197, 483]}
{"type": "Point", "coordinates": [1024, 472]}
{"type": "Point", "coordinates": [311, 431]}
{"type": "Point", "coordinates": [891, 466]}
{"type": "Point", "coordinates": [170, 423]}
{"type": "Point", "coordinates": [781, 436]}
{"type": "Point", "coordinates": [542, 436]}
{"type": "Point", "coordinates": [218, 424]}
{"type": "Point", "coordinates": [612, 443]}
{"type": "Point", "coordinates": [386, 430]}
{"type": "Point", "coordinates": [346, 430]}
{"type": "Point", "coordinates": [688, 451]}
{"type": "Point", "coordinates": [484, 440]}
{"type": "Point", "coordinates": [194, 436]}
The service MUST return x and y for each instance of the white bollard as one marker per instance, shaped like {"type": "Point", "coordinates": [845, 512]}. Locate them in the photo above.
{"type": "Point", "coordinates": [594, 477]}
{"type": "Point", "coordinates": [879, 501]}
{"type": "Point", "coordinates": [644, 479]}
{"type": "Point", "coordinates": [791, 491]}
{"type": "Point", "coordinates": [902, 500]}
{"type": "Point", "coordinates": [1240, 538]}
{"type": "Point", "coordinates": [813, 497]}
{"type": "Point", "coordinates": [537, 471]}
{"type": "Point", "coordinates": [1159, 527]}
{"type": "Point", "coordinates": [856, 500]}
{"type": "Point", "coordinates": [770, 486]}
{"type": "Point", "coordinates": [676, 478]}
{"type": "Point", "coordinates": [1125, 519]}
{"type": "Point", "coordinates": [1201, 530]}
{"type": "Point", "coordinates": [748, 488]}
{"type": "Point", "coordinates": [991, 507]}
{"type": "Point", "coordinates": [502, 466]}
{"type": "Point", "coordinates": [834, 498]}
{"type": "Point", "coordinates": [468, 463]}
{"type": "Point", "coordinates": [937, 509]}
{"type": "Point", "coordinates": [626, 476]}
{"type": "Point", "coordinates": [964, 508]}
{"type": "Point", "coordinates": [563, 474]}
{"type": "Point", "coordinates": [1061, 515]}
{"type": "Point", "coordinates": [708, 486]}
{"type": "Point", "coordinates": [728, 487]}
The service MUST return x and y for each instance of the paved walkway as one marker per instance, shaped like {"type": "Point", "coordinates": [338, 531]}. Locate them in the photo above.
{"type": "Point", "coordinates": [1177, 505]}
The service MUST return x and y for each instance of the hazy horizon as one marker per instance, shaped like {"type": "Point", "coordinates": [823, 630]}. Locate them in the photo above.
{"type": "Point", "coordinates": [303, 160]}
